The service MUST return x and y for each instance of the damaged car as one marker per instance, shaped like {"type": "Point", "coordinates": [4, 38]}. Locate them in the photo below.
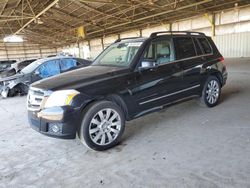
{"type": "Point", "coordinates": [18, 84]}
{"type": "Point", "coordinates": [5, 64]}
{"type": "Point", "coordinates": [15, 68]}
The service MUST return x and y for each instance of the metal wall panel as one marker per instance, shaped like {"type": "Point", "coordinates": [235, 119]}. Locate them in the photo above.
{"type": "Point", "coordinates": [109, 40]}
{"type": "Point", "coordinates": [234, 45]}
{"type": "Point", "coordinates": [95, 48]}
{"type": "Point", "coordinates": [20, 51]}
{"type": "Point", "coordinates": [135, 33]}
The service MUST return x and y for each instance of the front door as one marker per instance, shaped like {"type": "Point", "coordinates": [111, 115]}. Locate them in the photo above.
{"type": "Point", "coordinates": [47, 69]}
{"type": "Point", "coordinates": [157, 86]}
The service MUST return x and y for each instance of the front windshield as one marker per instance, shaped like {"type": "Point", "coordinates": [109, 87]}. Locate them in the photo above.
{"type": "Point", "coordinates": [31, 67]}
{"type": "Point", "coordinates": [118, 54]}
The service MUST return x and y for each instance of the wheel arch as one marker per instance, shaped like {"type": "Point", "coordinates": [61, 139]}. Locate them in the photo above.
{"type": "Point", "coordinates": [212, 72]}
{"type": "Point", "coordinates": [218, 75]}
{"type": "Point", "coordinates": [120, 102]}
{"type": "Point", "coordinates": [115, 98]}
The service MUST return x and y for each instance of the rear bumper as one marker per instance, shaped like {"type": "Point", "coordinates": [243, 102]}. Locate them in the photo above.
{"type": "Point", "coordinates": [224, 77]}
{"type": "Point", "coordinates": [66, 120]}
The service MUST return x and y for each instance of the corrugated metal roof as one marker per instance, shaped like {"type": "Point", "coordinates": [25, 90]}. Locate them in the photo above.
{"type": "Point", "coordinates": [57, 24]}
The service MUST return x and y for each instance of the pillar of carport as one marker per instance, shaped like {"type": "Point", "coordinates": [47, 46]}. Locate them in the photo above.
{"type": "Point", "coordinates": [6, 51]}
{"type": "Point", "coordinates": [212, 23]}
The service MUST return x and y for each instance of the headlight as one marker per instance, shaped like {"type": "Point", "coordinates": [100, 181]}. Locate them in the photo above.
{"type": "Point", "coordinates": [60, 98]}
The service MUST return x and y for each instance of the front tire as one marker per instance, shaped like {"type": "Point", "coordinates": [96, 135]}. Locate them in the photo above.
{"type": "Point", "coordinates": [211, 92]}
{"type": "Point", "coordinates": [102, 125]}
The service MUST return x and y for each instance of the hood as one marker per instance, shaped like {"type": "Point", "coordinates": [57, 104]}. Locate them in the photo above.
{"type": "Point", "coordinates": [9, 78]}
{"type": "Point", "coordinates": [79, 78]}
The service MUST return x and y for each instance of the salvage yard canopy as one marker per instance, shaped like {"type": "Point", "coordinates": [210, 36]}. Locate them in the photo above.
{"type": "Point", "coordinates": [56, 22]}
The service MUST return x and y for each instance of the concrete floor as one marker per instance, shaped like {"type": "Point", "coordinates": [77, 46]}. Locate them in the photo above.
{"type": "Point", "coordinates": [184, 146]}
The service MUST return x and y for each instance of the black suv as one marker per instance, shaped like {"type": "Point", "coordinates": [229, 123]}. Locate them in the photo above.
{"type": "Point", "coordinates": [131, 78]}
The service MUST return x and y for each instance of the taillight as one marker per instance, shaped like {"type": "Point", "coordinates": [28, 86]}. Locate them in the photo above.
{"type": "Point", "coordinates": [221, 59]}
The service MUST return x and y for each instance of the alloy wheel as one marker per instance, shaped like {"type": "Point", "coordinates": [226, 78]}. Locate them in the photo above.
{"type": "Point", "coordinates": [212, 92]}
{"type": "Point", "coordinates": [105, 126]}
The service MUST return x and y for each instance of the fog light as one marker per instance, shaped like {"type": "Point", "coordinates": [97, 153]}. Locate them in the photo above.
{"type": "Point", "coordinates": [55, 128]}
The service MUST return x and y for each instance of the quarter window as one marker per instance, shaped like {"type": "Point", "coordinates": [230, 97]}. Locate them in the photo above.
{"type": "Point", "coordinates": [205, 45]}
{"type": "Point", "coordinates": [160, 51]}
{"type": "Point", "coordinates": [197, 47]}
{"type": "Point", "coordinates": [184, 47]}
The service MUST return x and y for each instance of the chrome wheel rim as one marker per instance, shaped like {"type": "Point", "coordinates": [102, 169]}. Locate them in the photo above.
{"type": "Point", "coordinates": [105, 126]}
{"type": "Point", "coordinates": [212, 92]}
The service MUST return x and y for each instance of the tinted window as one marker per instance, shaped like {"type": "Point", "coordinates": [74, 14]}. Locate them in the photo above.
{"type": "Point", "coordinates": [50, 68]}
{"type": "Point", "coordinates": [197, 46]}
{"type": "Point", "coordinates": [205, 45]}
{"type": "Point", "coordinates": [67, 64]}
{"type": "Point", "coordinates": [160, 51]}
{"type": "Point", "coordinates": [184, 47]}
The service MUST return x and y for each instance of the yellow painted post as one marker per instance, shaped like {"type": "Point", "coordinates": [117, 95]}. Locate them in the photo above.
{"type": "Point", "coordinates": [212, 23]}
{"type": "Point", "coordinates": [81, 32]}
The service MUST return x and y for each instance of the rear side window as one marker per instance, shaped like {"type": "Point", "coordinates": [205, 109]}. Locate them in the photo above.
{"type": "Point", "coordinates": [205, 45]}
{"type": "Point", "coordinates": [184, 47]}
{"type": "Point", "coordinates": [67, 64]}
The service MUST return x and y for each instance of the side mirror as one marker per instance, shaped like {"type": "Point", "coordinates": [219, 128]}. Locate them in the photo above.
{"type": "Point", "coordinates": [148, 64]}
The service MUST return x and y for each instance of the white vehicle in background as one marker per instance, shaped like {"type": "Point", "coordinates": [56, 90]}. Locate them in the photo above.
{"type": "Point", "coordinates": [16, 67]}
{"type": "Point", "coordinates": [18, 84]}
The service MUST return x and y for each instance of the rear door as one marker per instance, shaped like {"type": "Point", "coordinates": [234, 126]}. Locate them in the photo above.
{"type": "Point", "coordinates": [191, 62]}
{"type": "Point", "coordinates": [67, 64]}
{"type": "Point", "coordinates": [47, 69]}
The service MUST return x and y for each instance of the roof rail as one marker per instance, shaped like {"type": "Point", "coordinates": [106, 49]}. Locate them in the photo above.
{"type": "Point", "coordinates": [119, 40]}
{"type": "Point", "coordinates": [177, 32]}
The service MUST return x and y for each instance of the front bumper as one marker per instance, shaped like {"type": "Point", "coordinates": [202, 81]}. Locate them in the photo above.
{"type": "Point", "coordinates": [65, 118]}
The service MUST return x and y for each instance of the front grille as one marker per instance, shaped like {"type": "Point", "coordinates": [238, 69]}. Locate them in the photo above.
{"type": "Point", "coordinates": [35, 99]}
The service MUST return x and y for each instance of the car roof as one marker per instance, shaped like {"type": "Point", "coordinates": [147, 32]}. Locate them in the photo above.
{"type": "Point", "coordinates": [57, 57]}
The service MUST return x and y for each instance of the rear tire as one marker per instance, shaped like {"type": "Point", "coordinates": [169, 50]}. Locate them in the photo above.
{"type": "Point", "coordinates": [102, 125]}
{"type": "Point", "coordinates": [211, 92]}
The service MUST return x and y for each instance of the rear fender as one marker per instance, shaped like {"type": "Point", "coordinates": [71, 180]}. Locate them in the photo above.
{"type": "Point", "coordinates": [213, 72]}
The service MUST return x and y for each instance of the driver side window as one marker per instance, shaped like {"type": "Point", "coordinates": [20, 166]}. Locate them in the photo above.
{"type": "Point", "coordinates": [49, 69]}
{"type": "Point", "coordinates": [160, 51]}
